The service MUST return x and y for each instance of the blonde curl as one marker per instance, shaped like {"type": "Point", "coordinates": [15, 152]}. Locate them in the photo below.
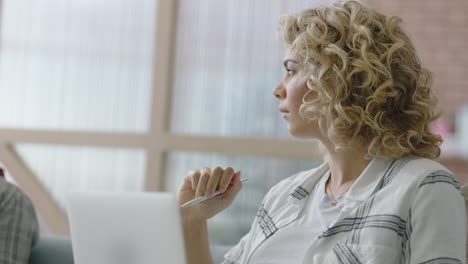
{"type": "Point", "coordinates": [371, 88]}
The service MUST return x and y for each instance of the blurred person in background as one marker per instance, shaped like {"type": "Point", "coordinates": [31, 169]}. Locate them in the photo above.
{"type": "Point", "coordinates": [19, 229]}
{"type": "Point", "coordinates": [353, 82]}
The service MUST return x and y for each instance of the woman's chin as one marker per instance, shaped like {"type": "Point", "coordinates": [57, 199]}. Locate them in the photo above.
{"type": "Point", "coordinates": [305, 131]}
{"type": "Point", "coordinates": [301, 133]}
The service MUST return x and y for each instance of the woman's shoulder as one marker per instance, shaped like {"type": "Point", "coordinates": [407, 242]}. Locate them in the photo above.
{"type": "Point", "coordinates": [418, 171]}
{"type": "Point", "coordinates": [423, 163]}
{"type": "Point", "coordinates": [420, 167]}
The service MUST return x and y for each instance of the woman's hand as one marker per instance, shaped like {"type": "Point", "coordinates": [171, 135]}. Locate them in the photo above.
{"type": "Point", "coordinates": [204, 182]}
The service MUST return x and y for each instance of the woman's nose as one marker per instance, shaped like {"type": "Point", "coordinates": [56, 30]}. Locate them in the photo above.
{"type": "Point", "coordinates": [279, 92]}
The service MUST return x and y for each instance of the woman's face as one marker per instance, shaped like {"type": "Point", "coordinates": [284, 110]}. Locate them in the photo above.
{"type": "Point", "coordinates": [290, 91]}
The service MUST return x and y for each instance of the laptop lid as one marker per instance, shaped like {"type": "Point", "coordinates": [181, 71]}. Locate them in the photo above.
{"type": "Point", "coordinates": [124, 228]}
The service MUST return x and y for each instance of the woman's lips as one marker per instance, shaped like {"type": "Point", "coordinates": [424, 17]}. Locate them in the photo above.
{"type": "Point", "coordinates": [284, 112]}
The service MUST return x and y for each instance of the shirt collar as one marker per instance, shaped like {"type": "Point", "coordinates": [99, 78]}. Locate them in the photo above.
{"type": "Point", "coordinates": [306, 184]}
{"type": "Point", "coordinates": [359, 191]}
{"type": "Point", "coordinates": [366, 183]}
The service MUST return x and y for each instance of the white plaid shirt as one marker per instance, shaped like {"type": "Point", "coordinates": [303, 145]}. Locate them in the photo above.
{"type": "Point", "coordinates": [409, 210]}
{"type": "Point", "coordinates": [18, 225]}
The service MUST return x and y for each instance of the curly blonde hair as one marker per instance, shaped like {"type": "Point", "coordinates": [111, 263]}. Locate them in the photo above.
{"type": "Point", "coordinates": [371, 88]}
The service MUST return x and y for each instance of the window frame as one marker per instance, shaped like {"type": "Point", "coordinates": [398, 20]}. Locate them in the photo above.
{"type": "Point", "coordinates": [156, 142]}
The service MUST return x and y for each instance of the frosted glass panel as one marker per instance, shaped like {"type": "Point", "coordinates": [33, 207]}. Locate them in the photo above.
{"type": "Point", "coordinates": [263, 172]}
{"type": "Point", "coordinates": [63, 169]}
{"type": "Point", "coordinates": [228, 60]}
{"type": "Point", "coordinates": [76, 64]}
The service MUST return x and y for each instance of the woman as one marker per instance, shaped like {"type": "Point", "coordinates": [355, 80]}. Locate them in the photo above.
{"type": "Point", "coordinates": [353, 82]}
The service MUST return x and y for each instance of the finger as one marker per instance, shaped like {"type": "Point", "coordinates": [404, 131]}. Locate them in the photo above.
{"type": "Point", "coordinates": [198, 175]}
{"type": "Point", "coordinates": [195, 177]}
{"type": "Point", "coordinates": [235, 187]}
{"type": "Point", "coordinates": [226, 179]}
{"type": "Point", "coordinates": [205, 169]}
{"type": "Point", "coordinates": [187, 182]}
{"type": "Point", "coordinates": [213, 181]}
{"type": "Point", "coordinates": [232, 179]}
{"type": "Point", "coordinates": [201, 187]}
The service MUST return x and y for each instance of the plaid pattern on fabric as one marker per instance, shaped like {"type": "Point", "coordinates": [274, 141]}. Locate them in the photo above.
{"type": "Point", "coordinates": [441, 176]}
{"type": "Point", "coordinates": [442, 261]}
{"type": "Point", "coordinates": [407, 211]}
{"type": "Point", "coordinates": [345, 255]}
{"type": "Point", "coordinates": [19, 228]}
{"type": "Point", "coordinates": [265, 222]}
{"type": "Point", "coordinates": [299, 193]}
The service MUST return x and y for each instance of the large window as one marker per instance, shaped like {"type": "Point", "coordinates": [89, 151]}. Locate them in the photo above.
{"type": "Point", "coordinates": [129, 95]}
{"type": "Point", "coordinates": [76, 64]}
{"type": "Point", "coordinates": [228, 60]}
{"type": "Point", "coordinates": [64, 169]}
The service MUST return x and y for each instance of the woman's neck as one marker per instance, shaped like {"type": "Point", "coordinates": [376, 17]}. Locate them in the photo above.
{"type": "Point", "coordinates": [345, 165]}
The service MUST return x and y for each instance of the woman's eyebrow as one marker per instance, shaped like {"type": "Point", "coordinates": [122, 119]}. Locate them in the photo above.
{"type": "Point", "coordinates": [285, 63]}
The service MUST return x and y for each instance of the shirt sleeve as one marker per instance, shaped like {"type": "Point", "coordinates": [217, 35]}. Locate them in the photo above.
{"type": "Point", "coordinates": [234, 255]}
{"type": "Point", "coordinates": [438, 221]}
{"type": "Point", "coordinates": [18, 227]}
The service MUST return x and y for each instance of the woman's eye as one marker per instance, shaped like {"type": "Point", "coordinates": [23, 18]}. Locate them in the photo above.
{"type": "Point", "coordinates": [289, 71]}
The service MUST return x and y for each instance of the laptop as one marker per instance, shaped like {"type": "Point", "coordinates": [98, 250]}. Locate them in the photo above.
{"type": "Point", "coordinates": [125, 228]}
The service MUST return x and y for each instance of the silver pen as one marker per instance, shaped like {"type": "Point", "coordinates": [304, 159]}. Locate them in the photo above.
{"type": "Point", "coordinates": [203, 198]}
